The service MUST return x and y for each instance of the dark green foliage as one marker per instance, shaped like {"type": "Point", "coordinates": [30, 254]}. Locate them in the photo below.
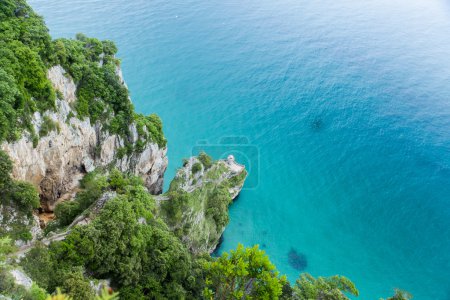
{"type": "Point", "coordinates": [17, 195]}
{"type": "Point", "coordinates": [400, 295]}
{"type": "Point", "coordinates": [5, 171]}
{"type": "Point", "coordinates": [217, 206]}
{"type": "Point", "coordinates": [173, 208]}
{"type": "Point", "coordinates": [43, 266]}
{"type": "Point", "coordinates": [205, 159]}
{"type": "Point", "coordinates": [332, 288]}
{"type": "Point", "coordinates": [100, 92]}
{"type": "Point", "coordinates": [197, 167]}
{"type": "Point", "coordinates": [126, 243]}
{"type": "Point", "coordinates": [37, 264]}
{"type": "Point", "coordinates": [77, 286]}
{"type": "Point", "coordinates": [25, 196]}
{"type": "Point", "coordinates": [150, 129]}
{"type": "Point", "coordinates": [25, 46]}
{"type": "Point", "coordinates": [93, 185]}
{"type": "Point", "coordinates": [65, 212]}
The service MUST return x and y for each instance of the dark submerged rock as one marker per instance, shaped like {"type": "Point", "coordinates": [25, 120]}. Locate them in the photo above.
{"type": "Point", "coordinates": [317, 124]}
{"type": "Point", "coordinates": [297, 260]}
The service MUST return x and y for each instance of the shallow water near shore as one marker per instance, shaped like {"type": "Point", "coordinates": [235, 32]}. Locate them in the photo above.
{"type": "Point", "coordinates": [345, 103]}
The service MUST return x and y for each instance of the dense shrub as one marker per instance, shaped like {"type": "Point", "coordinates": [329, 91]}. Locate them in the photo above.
{"type": "Point", "coordinates": [65, 212]}
{"type": "Point", "coordinates": [231, 275]}
{"type": "Point", "coordinates": [92, 187]}
{"type": "Point", "coordinates": [196, 167]}
{"type": "Point", "coordinates": [24, 194]}
{"type": "Point", "coordinates": [217, 206]}
{"type": "Point", "coordinates": [205, 159]}
{"type": "Point", "coordinates": [21, 194]}
{"type": "Point", "coordinates": [25, 48]}
{"type": "Point", "coordinates": [334, 288]}
{"type": "Point", "coordinates": [126, 243]}
{"type": "Point", "coordinates": [5, 171]}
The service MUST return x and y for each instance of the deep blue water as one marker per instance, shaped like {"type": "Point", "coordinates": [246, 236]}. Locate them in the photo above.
{"type": "Point", "coordinates": [347, 103]}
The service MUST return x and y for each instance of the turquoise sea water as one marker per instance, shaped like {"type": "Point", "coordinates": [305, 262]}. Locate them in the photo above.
{"type": "Point", "coordinates": [347, 102]}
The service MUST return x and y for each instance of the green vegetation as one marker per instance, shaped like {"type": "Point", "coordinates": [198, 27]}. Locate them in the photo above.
{"type": "Point", "coordinates": [25, 50]}
{"type": "Point", "coordinates": [100, 93]}
{"type": "Point", "coordinates": [127, 243]}
{"type": "Point", "coordinates": [197, 167]}
{"type": "Point", "coordinates": [92, 186]}
{"type": "Point", "coordinates": [207, 203]}
{"type": "Point", "coordinates": [47, 126]}
{"type": "Point", "coordinates": [18, 197]}
{"type": "Point", "coordinates": [8, 287]}
{"type": "Point", "coordinates": [26, 53]}
{"type": "Point", "coordinates": [400, 295]}
{"type": "Point", "coordinates": [245, 273]}
{"type": "Point", "coordinates": [148, 251]}
{"type": "Point", "coordinates": [333, 288]}
{"type": "Point", "coordinates": [145, 259]}
{"type": "Point", "coordinates": [205, 159]}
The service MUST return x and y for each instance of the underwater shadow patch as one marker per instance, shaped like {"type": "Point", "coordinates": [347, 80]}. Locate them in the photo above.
{"type": "Point", "coordinates": [317, 124]}
{"type": "Point", "coordinates": [297, 260]}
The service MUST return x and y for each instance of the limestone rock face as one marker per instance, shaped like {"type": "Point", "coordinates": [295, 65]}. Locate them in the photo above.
{"type": "Point", "coordinates": [200, 228]}
{"type": "Point", "coordinates": [62, 157]}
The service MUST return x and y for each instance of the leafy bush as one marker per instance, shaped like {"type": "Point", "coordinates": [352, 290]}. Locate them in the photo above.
{"type": "Point", "coordinates": [37, 264]}
{"type": "Point", "coordinates": [205, 159]}
{"type": "Point", "coordinates": [77, 286]}
{"type": "Point", "coordinates": [197, 167]}
{"type": "Point", "coordinates": [93, 185]}
{"type": "Point", "coordinates": [333, 288]}
{"type": "Point", "coordinates": [150, 129]}
{"type": "Point", "coordinates": [5, 171]}
{"type": "Point", "coordinates": [217, 206]}
{"type": "Point", "coordinates": [66, 212]}
{"type": "Point", "coordinates": [174, 207]}
{"type": "Point", "coordinates": [25, 195]}
{"type": "Point", "coordinates": [19, 195]}
{"type": "Point", "coordinates": [25, 48]}
{"type": "Point", "coordinates": [126, 243]}
{"type": "Point", "coordinates": [245, 273]}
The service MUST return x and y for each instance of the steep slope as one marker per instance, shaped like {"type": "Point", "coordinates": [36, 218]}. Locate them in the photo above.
{"type": "Point", "coordinates": [196, 205]}
{"type": "Point", "coordinates": [74, 147]}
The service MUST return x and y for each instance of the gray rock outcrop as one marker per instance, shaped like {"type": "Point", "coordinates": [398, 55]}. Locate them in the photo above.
{"type": "Point", "coordinates": [63, 156]}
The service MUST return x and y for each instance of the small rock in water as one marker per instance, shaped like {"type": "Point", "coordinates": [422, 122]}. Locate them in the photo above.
{"type": "Point", "coordinates": [297, 260]}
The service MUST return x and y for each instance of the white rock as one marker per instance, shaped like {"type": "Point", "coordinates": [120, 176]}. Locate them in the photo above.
{"type": "Point", "coordinates": [21, 278]}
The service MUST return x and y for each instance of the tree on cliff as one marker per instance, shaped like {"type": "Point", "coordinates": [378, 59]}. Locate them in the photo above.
{"type": "Point", "coordinates": [23, 194]}
{"type": "Point", "coordinates": [245, 273]}
{"type": "Point", "coordinates": [330, 288]}
{"type": "Point", "coordinates": [5, 170]}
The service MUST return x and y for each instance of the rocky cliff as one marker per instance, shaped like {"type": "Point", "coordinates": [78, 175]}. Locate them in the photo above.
{"type": "Point", "coordinates": [73, 147]}
{"type": "Point", "coordinates": [196, 205]}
